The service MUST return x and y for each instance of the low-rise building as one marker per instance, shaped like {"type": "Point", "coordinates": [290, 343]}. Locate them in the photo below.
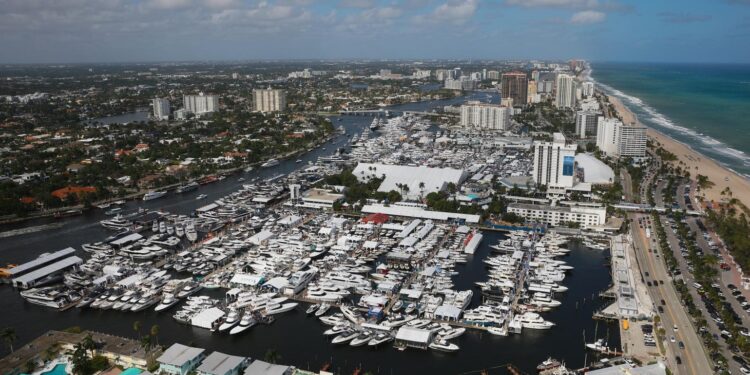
{"type": "Point", "coordinates": [585, 216]}
{"type": "Point", "coordinates": [218, 363]}
{"type": "Point", "coordinates": [180, 359]}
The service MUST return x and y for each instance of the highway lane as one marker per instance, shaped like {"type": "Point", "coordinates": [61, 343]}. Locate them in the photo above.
{"type": "Point", "coordinates": [712, 326]}
{"type": "Point", "coordinates": [694, 358]}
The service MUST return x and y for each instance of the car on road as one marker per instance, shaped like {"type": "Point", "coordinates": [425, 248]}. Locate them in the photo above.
{"type": "Point", "coordinates": [674, 327]}
{"type": "Point", "coordinates": [681, 345]}
{"type": "Point", "coordinates": [661, 309]}
{"type": "Point", "coordinates": [678, 360]}
{"type": "Point", "coordinates": [672, 339]}
{"type": "Point", "coordinates": [663, 303]}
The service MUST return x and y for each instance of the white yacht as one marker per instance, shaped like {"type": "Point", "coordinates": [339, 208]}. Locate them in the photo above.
{"type": "Point", "coordinates": [533, 320]}
{"type": "Point", "coordinates": [151, 195]}
{"type": "Point", "coordinates": [246, 322]}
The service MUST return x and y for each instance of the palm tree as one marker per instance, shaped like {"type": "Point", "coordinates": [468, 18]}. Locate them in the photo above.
{"type": "Point", "coordinates": [155, 333]}
{"type": "Point", "coordinates": [137, 327]}
{"type": "Point", "coordinates": [272, 356]}
{"type": "Point", "coordinates": [89, 344]}
{"type": "Point", "coordinates": [8, 334]}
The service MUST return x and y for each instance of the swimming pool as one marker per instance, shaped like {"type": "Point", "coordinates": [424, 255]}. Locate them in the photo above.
{"type": "Point", "coordinates": [59, 369]}
{"type": "Point", "coordinates": [131, 371]}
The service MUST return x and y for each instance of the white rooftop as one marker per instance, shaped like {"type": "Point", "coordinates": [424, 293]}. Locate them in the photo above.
{"type": "Point", "coordinates": [594, 170]}
{"type": "Point", "coordinates": [178, 354]}
{"type": "Point", "coordinates": [434, 179]}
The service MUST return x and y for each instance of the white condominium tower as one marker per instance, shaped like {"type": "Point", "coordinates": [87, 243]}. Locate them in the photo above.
{"type": "Point", "coordinates": [200, 104]}
{"type": "Point", "coordinates": [587, 89]}
{"type": "Point", "coordinates": [554, 162]}
{"type": "Point", "coordinates": [161, 108]}
{"type": "Point", "coordinates": [586, 123]}
{"type": "Point", "coordinates": [565, 96]}
{"type": "Point", "coordinates": [620, 140]}
{"type": "Point", "coordinates": [269, 100]}
{"type": "Point", "coordinates": [485, 116]}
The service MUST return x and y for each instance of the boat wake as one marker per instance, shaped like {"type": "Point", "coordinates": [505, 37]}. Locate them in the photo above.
{"type": "Point", "coordinates": [651, 117]}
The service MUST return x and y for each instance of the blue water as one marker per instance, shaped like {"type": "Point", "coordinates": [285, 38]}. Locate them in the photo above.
{"type": "Point", "coordinates": [131, 371]}
{"type": "Point", "coordinates": [58, 370]}
{"type": "Point", "coordinates": [705, 106]}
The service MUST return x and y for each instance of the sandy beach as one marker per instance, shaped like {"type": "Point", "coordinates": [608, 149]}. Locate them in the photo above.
{"type": "Point", "coordinates": [697, 163]}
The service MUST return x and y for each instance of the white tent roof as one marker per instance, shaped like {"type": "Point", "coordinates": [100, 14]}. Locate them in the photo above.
{"type": "Point", "coordinates": [412, 334]}
{"type": "Point", "coordinates": [206, 318]}
{"type": "Point", "coordinates": [434, 179]}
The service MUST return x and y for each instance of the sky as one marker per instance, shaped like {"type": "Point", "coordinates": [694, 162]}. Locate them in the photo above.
{"type": "Point", "coordinates": [69, 31]}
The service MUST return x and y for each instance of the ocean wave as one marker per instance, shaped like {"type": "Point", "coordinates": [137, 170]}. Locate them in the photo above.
{"type": "Point", "coordinates": [650, 116]}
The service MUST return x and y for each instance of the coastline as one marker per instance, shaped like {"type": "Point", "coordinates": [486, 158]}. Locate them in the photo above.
{"type": "Point", "coordinates": [722, 176]}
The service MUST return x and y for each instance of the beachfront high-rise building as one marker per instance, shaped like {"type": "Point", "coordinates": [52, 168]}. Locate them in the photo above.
{"type": "Point", "coordinates": [493, 74]}
{"type": "Point", "coordinates": [269, 100]}
{"type": "Point", "coordinates": [161, 108]}
{"type": "Point", "coordinates": [620, 140]}
{"type": "Point", "coordinates": [201, 103]}
{"type": "Point", "coordinates": [587, 89]}
{"type": "Point", "coordinates": [485, 116]}
{"type": "Point", "coordinates": [586, 123]}
{"type": "Point", "coordinates": [554, 162]}
{"type": "Point", "coordinates": [565, 95]}
{"type": "Point", "coordinates": [515, 85]}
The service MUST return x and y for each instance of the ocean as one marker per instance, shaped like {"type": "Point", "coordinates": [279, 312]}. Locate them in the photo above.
{"type": "Point", "coordinates": [705, 106]}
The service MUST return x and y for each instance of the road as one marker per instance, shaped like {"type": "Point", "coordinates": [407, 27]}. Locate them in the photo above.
{"type": "Point", "coordinates": [712, 326]}
{"type": "Point", "coordinates": [693, 357]}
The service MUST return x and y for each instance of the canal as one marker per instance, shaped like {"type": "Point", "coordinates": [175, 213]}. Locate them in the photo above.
{"type": "Point", "coordinates": [298, 338]}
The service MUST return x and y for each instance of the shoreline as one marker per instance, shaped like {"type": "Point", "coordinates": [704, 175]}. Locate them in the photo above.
{"type": "Point", "coordinates": [80, 209]}
{"type": "Point", "coordinates": [722, 176]}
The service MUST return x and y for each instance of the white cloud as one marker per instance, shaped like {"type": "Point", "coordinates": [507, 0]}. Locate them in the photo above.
{"type": "Point", "coordinates": [167, 4]}
{"type": "Point", "coordinates": [554, 3]}
{"type": "Point", "coordinates": [588, 16]}
{"type": "Point", "coordinates": [357, 3]}
{"type": "Point", "coordinates": [452, 12]}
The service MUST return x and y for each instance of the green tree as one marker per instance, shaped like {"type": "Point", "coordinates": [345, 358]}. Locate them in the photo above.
{"type": "Point", "coordinates": [8, 334]}
{"type": "Point", "coordinates": [272, 356]}
{"type": "Point", "coordinates": [155, 334]}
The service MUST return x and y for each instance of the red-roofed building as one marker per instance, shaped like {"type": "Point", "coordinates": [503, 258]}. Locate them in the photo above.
{"type": "Point", "coordinates": [27, 200]}
{"type": "Point", "coordinates": [376, 218]}
{"type": "Point", "coordinates": [77, 190]}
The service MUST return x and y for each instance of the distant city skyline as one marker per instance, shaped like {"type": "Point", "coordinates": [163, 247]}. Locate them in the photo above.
{"type": "Point", "coordinates": [89, 31]}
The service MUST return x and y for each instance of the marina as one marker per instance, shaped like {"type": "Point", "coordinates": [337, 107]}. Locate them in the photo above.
{"type": "Point", "coordinates": [248, 263]}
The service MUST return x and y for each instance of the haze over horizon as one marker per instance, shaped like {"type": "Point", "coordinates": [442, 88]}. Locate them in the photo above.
{"type": "Point", "coordinates": [88, 31]}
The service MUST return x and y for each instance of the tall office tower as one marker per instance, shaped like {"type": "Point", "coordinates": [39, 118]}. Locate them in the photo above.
{"type": "Point", "coordinates": [586, 123]}
{"type": "Point", "coordinates": [588, 89]}
{"type": "Point", "coordinates": [515, 85]}
{"type": "Point", "coordinates": [200, 104]}
{"type": "Point", "coordinates": [565, 96]}
{"type": "Point", "coordinates": [535, 75]}
{"type": "Point", "coordinates": [485, 116]}
{"type": "Point", "coordinates": [620, 140]}
{"type": "Point", "coordinates": [269, 100]}
{"type": "Point", "coordinates": [554, 162]}
{"type": "Point", "coordinates": [161, 108]}
{"type": "Point", "coordinates": [493, 74]}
